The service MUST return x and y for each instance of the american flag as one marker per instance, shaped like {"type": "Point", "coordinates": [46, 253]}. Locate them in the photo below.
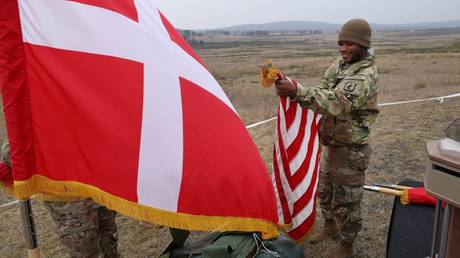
{"type": "Point", "coordinates": [295, 167]}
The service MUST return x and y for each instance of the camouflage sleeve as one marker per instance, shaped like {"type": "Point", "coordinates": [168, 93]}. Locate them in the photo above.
{"type": "Point", "coordinates": [329, 73]}
{"type": "Point", "coordinates": [349, 95]}
{"type": "Point", "coordinates": [323, 83]}
{"type": "Point", "coordinates": [5, 152]}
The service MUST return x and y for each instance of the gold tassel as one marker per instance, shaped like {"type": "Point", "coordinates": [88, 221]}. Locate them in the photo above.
{"type": "Point", "coordinates": [268, 74]}
{"type": "Point", "coordinates": [405, 197]}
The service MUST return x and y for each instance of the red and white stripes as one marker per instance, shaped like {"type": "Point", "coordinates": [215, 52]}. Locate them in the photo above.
{"type": "Point", "coordinates": [295, 166]}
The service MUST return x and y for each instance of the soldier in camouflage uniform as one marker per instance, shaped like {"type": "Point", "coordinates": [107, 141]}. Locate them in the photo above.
{"type": "Point", "coordinates": [86, 229]}
{"type": "Point", "coordinates": [347, 98]}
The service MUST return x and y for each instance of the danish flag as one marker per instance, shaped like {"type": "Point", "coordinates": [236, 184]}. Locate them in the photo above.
{"type": "Point", "coordinates": [104, 99]}
{"type": "Point", "coordinates": [295, 166]}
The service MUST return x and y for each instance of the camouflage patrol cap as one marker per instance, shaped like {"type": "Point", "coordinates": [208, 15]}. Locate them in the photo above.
{"type": "Point", "coordinates": [357, 31]}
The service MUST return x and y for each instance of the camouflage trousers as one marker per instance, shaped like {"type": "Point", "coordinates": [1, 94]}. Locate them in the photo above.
{"type": "Point", "coordinates": [85, 228]}
{"type": "Point", "coordinates": [341, 181]}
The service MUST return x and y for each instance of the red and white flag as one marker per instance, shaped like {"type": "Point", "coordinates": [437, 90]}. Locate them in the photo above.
{"type": "Point", "coordinates": [105, 99]}
{"type": "Point", "coordinates": [295, 167]}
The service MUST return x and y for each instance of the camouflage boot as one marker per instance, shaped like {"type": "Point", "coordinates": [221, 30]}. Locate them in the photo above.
{"type": "Point", "coordinates": [329, 230]}
{"type": "Point", "coordinates": [341, 250]}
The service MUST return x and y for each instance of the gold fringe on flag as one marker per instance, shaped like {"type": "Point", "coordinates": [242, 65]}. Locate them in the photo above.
{"type": "Point", "coordinates": [68, 190]}
{"type": "Point", "coordinates": [268, 73]}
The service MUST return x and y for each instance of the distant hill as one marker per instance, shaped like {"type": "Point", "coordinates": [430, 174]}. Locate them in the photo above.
{"type": "Point", "coordinates": [324, 26]}
{"type": "Point", "coordinates": [284, 26]}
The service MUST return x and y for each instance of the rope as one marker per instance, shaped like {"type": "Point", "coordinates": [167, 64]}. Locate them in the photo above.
{"type": "Point", "coordinates": [438, 99]}
{"type": "Point", "coordinates": [9, 204]}
{"type": "Point", "coordinates": [263, 248]}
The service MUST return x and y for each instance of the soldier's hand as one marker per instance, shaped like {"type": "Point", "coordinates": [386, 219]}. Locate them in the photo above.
{"type": "Point", "coordinates": [284, 88]}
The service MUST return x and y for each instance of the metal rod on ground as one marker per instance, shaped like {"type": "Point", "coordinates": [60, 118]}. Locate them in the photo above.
{"type": "Point", "coordinates": [398, 187]}
{"type": "Point", "coordinates": [384, 190]}
{"type": "Point", "coordinates": [29, 229]}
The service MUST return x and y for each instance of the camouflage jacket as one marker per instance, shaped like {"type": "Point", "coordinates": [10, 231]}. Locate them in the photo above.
{"type": "Point", "coordinates": [347, 98]}
{"type": "Point", "coordinates": [5, 152]}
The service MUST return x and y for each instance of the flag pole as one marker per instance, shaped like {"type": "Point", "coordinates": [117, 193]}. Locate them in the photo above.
{"type": "Point", "coordinates": [397, 187]}
{"type": "Point", "coordinates": [29, 228]}
{"type": "Point", "coordinates": [379, 189]}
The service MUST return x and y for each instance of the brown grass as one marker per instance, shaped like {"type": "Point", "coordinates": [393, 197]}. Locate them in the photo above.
{"type": "Point", "coordinates": [411, 66]}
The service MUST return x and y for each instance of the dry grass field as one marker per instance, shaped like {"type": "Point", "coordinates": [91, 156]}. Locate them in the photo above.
{"type": "Point", "coordinates": [412, 65]}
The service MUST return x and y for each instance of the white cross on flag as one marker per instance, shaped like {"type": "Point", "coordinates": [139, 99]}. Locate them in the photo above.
{"type": "Point", "coordinates": [104, 99]}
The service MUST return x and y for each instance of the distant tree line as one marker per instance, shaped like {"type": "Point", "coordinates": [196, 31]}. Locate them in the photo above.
{"type": "Point", "coordinates": [194, 37]}
{"type": "Point", "coordinates": [261, 33]}
{"type": "Point", "coordinates": [191, 35]}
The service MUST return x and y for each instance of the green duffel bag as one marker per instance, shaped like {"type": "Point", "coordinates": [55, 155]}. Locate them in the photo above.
{"type": "Point", "coordinates": [216, 245]}
{"type": "Point", "coordinates": [234, 245]}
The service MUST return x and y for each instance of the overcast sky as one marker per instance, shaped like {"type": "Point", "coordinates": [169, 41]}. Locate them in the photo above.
{"type": "Point", "coordinates": [210, 14]}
